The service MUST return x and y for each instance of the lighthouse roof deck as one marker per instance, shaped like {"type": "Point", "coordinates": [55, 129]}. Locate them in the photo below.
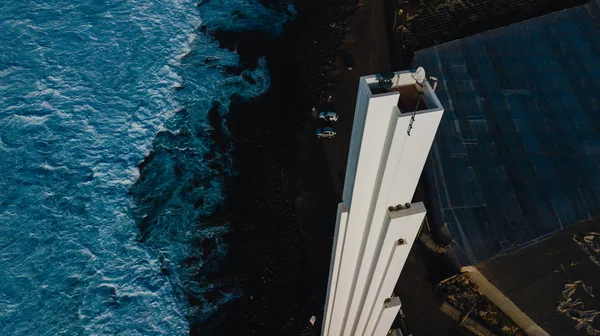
{"type": "Point", "coordinates": [404, 84]}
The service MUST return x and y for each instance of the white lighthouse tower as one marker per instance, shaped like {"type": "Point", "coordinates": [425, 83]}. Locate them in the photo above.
{"type": "Point", "coordinates": [395, 121]}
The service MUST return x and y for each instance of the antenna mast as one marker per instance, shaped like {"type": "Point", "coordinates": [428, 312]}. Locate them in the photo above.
{"type": "Point", "coordinates": [420, 78]}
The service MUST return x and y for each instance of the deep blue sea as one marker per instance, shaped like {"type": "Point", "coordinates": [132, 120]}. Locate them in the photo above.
{"type": "Point", "coordinates": [87, 90]}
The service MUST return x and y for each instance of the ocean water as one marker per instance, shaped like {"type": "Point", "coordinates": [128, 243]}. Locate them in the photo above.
{"type": "Point", "coordinates": [88, 246]}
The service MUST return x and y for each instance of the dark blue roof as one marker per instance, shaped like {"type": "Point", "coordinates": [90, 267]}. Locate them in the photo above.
{"type": "Point", "coordinates": [517, 155]}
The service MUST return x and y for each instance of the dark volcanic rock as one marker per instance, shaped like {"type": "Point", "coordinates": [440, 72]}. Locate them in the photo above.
{"type": "Point", "coordinates": [270, 258]}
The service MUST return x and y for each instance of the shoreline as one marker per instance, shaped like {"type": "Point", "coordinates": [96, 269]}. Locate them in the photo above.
{"type": "Point", "coordinates": [281, 203]}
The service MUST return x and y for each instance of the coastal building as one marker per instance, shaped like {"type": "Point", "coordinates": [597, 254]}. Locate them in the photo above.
{"type": "Point", "coordinates": [395, 122]}
{"type": "Point", "coordinates": [514, 167]}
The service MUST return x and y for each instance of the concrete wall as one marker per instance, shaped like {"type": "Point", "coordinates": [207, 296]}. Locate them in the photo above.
{"type": "Point", "coordinates": [379, 114]}
{"type": "Point", "coordinates": [360, 115]}
{"type": "Point", "coordinates": [392, 153]}
{"type": "Point", "coordinates": [403, 224]}
{"type": "Point", "coordinates": [400, 174]}
{"type": "Point", "coordinates": [384, 166]}
{"type": "Point", "coordinates": [386, 317]}
{"type": "Point", "coordinates": [334, 266]}
{"type": "Point", "coordinates": [414, 153]}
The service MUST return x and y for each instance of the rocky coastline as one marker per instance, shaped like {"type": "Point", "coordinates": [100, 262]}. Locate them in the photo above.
{"type": "Point", "coordinates": [280, 238]}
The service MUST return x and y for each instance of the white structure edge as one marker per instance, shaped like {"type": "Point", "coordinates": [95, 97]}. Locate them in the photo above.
{"type": "Point", "coordinates": [386, 316]}
{"type": "Point", "coordinates": [384, 166]}
{"type": "Point", "coordinates": [403, 224]}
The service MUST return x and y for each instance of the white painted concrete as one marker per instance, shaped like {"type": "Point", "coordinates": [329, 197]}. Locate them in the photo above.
{"type": "Point", "coordinates": [384, 166]}
{"type": "Point", "coordinates": [403, 224]}
{"type": "Point", "coordinates": [390, 309]}
{"type": "Point", "coordinates": [360, 115]}
{"type": "Point", "coordinates": [374, 228]}
{"type": "Point", "coordinates": [396, 187]}
{"type": "Point", "coordinates": [336, 256]}
{"type": "Point", "coordinates": [413, 156]}
{"type": "Point", "coordinates": [379, 115]}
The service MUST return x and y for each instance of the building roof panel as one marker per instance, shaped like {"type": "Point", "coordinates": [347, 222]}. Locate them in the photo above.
{"type": "Point", "coordinates": [517, 155]}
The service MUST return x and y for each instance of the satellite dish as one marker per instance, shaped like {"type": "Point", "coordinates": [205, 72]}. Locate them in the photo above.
{"type": "Point", "coordinates": [419, 75]}
{"type": "Point", "coordinates": [386, 80]}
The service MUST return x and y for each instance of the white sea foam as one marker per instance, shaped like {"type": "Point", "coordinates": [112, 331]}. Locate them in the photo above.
{"type": "Point", "coordinates": [8, 71]}
{"type": "Point", "coordinates": [84, 105]}
{"type": "Point", "coordinates": [29, 120]}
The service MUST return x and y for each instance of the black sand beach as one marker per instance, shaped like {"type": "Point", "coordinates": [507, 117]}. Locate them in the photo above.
{"type": "Point", "coordinates": [281, 205]}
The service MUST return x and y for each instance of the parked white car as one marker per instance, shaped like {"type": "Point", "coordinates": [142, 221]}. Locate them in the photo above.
{"type": "Point", "coordinates": [326, 132]}
{"type": "Point", "coordinates": [328, 116]}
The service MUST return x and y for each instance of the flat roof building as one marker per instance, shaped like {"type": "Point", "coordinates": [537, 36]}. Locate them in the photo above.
{"type": "Point", "coordinates": [514, 173]}
{"type": "Point", "coordinates": [517, 154]}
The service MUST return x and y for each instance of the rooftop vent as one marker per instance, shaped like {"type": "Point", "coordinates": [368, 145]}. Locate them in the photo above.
{"type": "Point", "coordinates": [386, 80]}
